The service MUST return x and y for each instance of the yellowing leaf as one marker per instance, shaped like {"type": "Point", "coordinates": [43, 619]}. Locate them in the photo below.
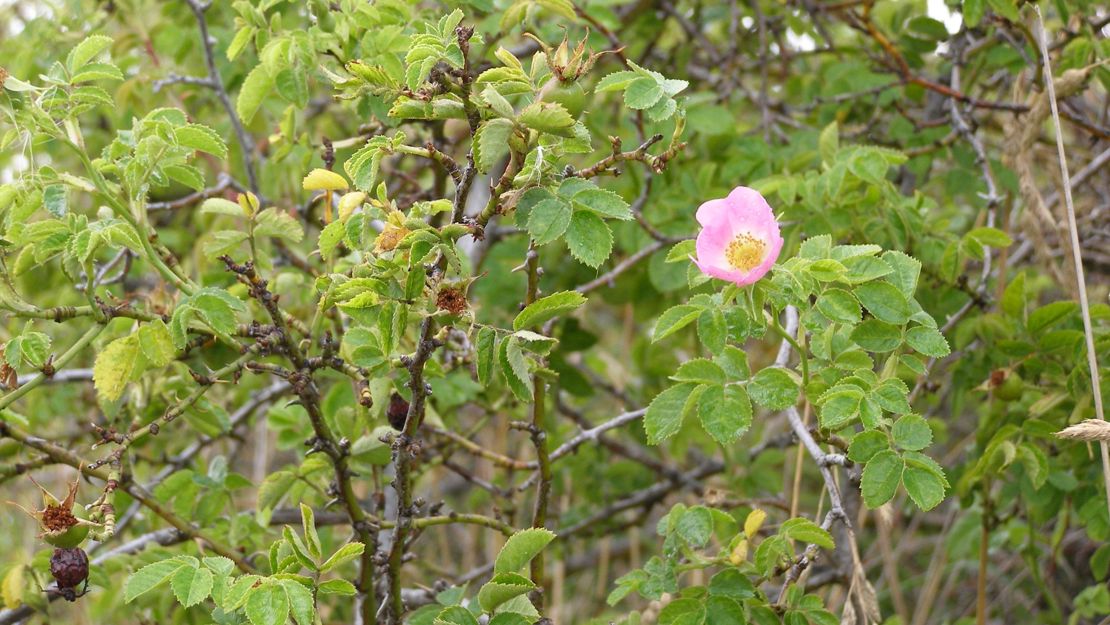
{"type": "Point", "coordinates": [120, 362]}
{"type": "Point", "coordinates": [754, 522]}
{"type": "Point", "coordinates": [739, 553]}
{"type": "Point", "coordinates": [349, 202]}
{"type": "Point", "coordinates": [324, 180]}
{"type": "Point", "coordinates": [12, 587]}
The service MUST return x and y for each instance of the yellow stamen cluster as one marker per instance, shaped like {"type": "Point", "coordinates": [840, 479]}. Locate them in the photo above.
{"type": "Point", "coordinates": [745, 252]}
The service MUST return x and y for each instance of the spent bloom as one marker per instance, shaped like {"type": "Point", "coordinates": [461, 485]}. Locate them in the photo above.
{"type": "Point", "coordinates": [739, 239]}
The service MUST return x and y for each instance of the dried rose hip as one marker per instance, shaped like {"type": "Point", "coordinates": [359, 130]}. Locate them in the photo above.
{"type": "Point", "coordinates": [398, 411]}
{"type": "Point", "coordinates": [69, 567]}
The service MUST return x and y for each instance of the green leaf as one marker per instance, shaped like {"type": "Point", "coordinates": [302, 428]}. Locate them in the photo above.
{"type": "Point", "coordinates": [119, 363]}
{"type": "Point", "coordinates": [548, 220]}
{"type": "Point", "coordinates": [157, 343]}
{"type": "Point", "coordinates": [300, 601]}
{"type": "Point", "coordinates": [30, 347]}
{"type": "Point", "coordinates": [1013, 298]}
{"type": "Point", "coordinates": [201, 138]}
{"type": "Point", "coordinates": [885, 301]}
{"type": "Point", "coordinates": [840, 306]}
{"type": "Point", "coordinates": [912, 432]}
{"type": "Point", "coordinates": [865, 268]}
{"type": "Point", "coordinates": [603, 202]}
{"type": "Point", "coordinates": [1006, 8]}
{"type": "Point", "coordinates": [546, 308]}
{"type": "Point", "coordinates": [242, 38]}
{"type": "Point", "coordinates": [774, 388]}
{"type": "Point", "coordinates": [881, 477]}
{"type": "Point", "coordinates": [733, 584]}
{"type": "Point", "coordinates": [828, 143]}
{"type": "Point", "coordinates": [337, 587]}
{"type": "Point", "coordinates": [663, 418]}
{"type": "Point", "coordinates": [840, 407]}
{"type": "Point", "coordinates": [973, 12]}
{"type": "Point", "coordinates": [330, 238]}
{"type": "Point", "coordinates": [308, 526]}
{"type": "Point", "coordinates": [695, 526]}
{"type": "Point", "coordinates": [866, 444]}
{"type": "Point", "coordinates": [191, 585]}
{"type": "Point", "coordinates": [54, 199]}
{"type": "Point", "coordinates": [493, 142]}
{"type": "Point", "coordinates": [674, 319]}
{"type": "Point", "coordinates": [455, 615]}
{"type": "Point", "coordinates": [150, 577]}
{"type": "Point", "coordinates": [515, 368]}
{"type": "Point", "coordinates": [589, 239]}
{"type": "Point", "coordinates": [521, 548]}
{"type": "Point", "coordinates": [292, 85]}
{"type": "Point", "coordinates": [924, 487]}
{"type": "Point", "coordinates": [804, 530]}
{"type": "Point", "coordinates": [616, 81]}
{"type": "Point", "coordinates": [96, 71]}
{"type": "Point", "coordinates": [268, 605]}
{"type": "Point", "coordinates": [877, 336]}
{"type": "Point", "coordinates": [642, 93]}
{"type": "Point", "coordinates": [682, 251]}
{"type": "Point", "coordinates": [700, 371]}
{"type": "Point", "coordinates": [87, 50]}
{"type": "Point", "coordinates": [927, 342]}
{"type": "Point", "coordinates": [1049, 315]}
{"type": "Point", "coordinates": [725, 413]}
{"type": "Point", "coordinates": [682, 612]}
{"type": "Point", "coordinates": [252, 94]}
{"type": "Point", "coordinates": [278, 224]}
{"type": "Point", "coordinates": [906, 271]}
{"type": "Point", "coordinates": [928, 28]}
{"type": "Point", "coordinates": [343, 555]}
{"type": "Point", "coordinates": [713, 330]}
{"type": "Point", "coordinates": [219, 565]}
{"type": "Point", "coordinates": [549, 117]}
{"type": "Point", "coordinates": [502, 588]}
{"type": "Point", "coordinates": [992, 237]}
{"type": "Point", "coordinates": [220, 206]}
{"type": "Point", "coordinates": [486, 348]}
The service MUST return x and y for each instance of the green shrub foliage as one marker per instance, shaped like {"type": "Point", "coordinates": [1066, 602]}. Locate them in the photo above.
{"type": "Point", "coordinates": [386, 312]}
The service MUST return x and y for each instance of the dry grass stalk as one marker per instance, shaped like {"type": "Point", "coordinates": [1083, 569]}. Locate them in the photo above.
{"type": "Point", "coordinates": [1073, 230]}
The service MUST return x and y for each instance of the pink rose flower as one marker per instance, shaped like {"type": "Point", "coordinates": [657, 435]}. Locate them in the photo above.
{"type": "Point", "coordinates": [739, 240]}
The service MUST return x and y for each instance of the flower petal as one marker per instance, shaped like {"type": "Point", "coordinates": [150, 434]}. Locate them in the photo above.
{"type": "Point", "coordinates": [721, 272]}
{"type": "Point", "coordinates": [714, 213]}
{"type": "Point", "coordinates": [711, 245]}
{"type": "Point", "coordinates": [749, 211]}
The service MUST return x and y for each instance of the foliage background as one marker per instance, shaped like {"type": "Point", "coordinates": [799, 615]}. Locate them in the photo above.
{"type": "Point", "coordinates": [866, 121]}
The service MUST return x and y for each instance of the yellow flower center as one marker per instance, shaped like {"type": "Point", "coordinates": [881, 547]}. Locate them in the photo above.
{"type": "Point", "coordinates": [745, 252]}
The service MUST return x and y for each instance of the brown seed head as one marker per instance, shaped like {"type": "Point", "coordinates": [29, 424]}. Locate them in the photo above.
{"type": "Point", "coordinates": [451, 299]}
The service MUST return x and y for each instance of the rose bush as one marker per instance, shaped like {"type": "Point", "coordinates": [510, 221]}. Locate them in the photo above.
{"type": "Point", "coordinates": [541, 311]}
